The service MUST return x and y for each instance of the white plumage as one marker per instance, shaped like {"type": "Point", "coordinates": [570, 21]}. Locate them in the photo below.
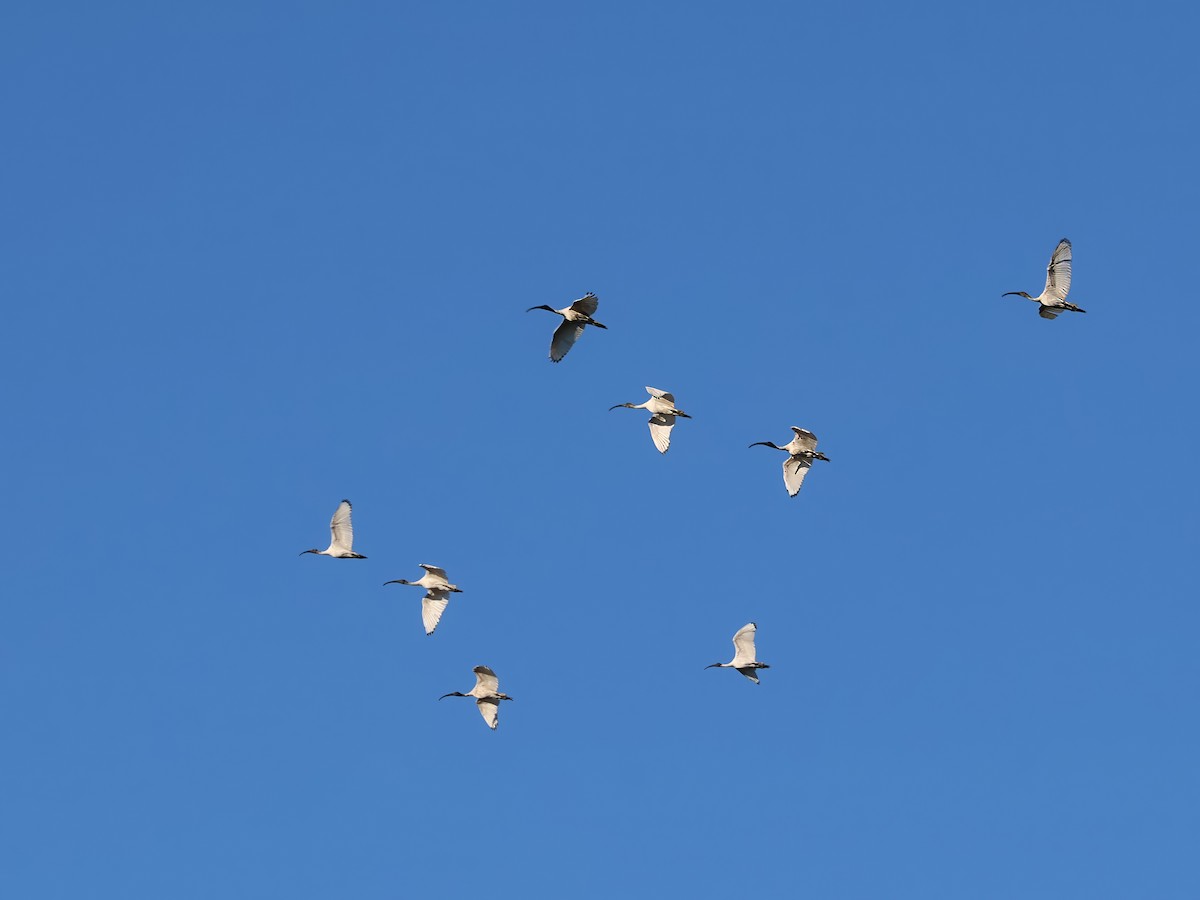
{"type": "Point", "coordinates": [1053, 298]}
{"type": "Point", "coordinates": [437, 594]}
{"type": "Point", "coordinates": [341, 535]}
{"type": "Point", "coordinates": [663, 412]}
{"type": "Point", "coordinates": [576, 317]}
{"type": "Point", "coordinates": [744, 657]}
{"type": "Point", "coordinates": [801, 451]}
{"type": "Point", "coordinates": [486, 693]}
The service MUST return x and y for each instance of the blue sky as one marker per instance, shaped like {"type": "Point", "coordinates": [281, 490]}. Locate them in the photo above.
{"type": "Point", "coordinates": [262, 256]}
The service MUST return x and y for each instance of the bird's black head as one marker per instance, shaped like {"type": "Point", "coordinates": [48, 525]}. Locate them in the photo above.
{"type": "Point", "coordinates": [621, 406]}
{"type": "Point", "coordinates": [1016, 294]}
{"type": "Point", "coordinates": [543, 306]}
{"type": "Point", "coordinates": [314, 550]}
{"type": "Point", "coordinates": [452, 694]}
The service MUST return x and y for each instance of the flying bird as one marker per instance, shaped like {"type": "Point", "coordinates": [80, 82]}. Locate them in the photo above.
{"type": "Point", "coordinates": [437, 594]}
{"type": "Point", "coordinates": [743, 658]}
{"type": "Point", "coordinates": [576, 317]}
{"type": "Point", "coordinates": [801, 451]}
{"type": "Point", "coordinates": [1053, 298]}
{"type": "Point", "coordinates": [487, 698]}
{"type": "Point", "coordinates": [341, 535]}
{"type": "Point", "coordinates": [661, 407]}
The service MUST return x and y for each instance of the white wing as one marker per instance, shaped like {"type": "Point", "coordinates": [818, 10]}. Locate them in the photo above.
{"type": "Point", "coordinates": [341, 532]}
{"type": "Point", "coordinates": [1048, 312]}
{"type": "Point", "coordinates": [490, 710]}
{"type": "Point", "coordinates": [743, 644]}
{"type": "Point", "coordinates": [662, 395]}
{"type": "Point", "coordinates": [752, 674]}
{"type": "Point", "coordinates": [1058, 273]}
{"type": "Point", "coordinates": [586, 304]}
{"type": "Point", "coordinates": [564, 339]}
{"type": "Point", "coordinates": [805, 438]}
{"type": "Point", "coordinates": [794, 470]}
{"type": "Point", "coordinates": [436, 571]}
{"type": "Point", "coordinates": [433, 605]}
{"type": "Point", "coordinates": [486, 680]}
{"type": "Point", "coordinates": [660, 431]}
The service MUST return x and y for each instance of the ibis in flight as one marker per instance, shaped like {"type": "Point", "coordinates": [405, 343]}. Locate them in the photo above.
{"type": "Point", "coordinates": [576, 317]}
{"type": "Point", "coordinates": [437, 594]}
{"type": "Point", "coordinates": [1053, 298]}
{"type": "Point", "coordinates": [661, 407]}
{"type": "Point", "coordinates": [487, 698]}
{"type": "Point", "coordinates": [341, 536]}
{"type": "Point", "coordinates": [801, 451]}
{"type": "Point", "coordinates": [743, 657]}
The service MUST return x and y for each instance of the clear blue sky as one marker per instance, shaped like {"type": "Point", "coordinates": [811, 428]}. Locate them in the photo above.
{"type": "Point", "coordinates": [259, 257]}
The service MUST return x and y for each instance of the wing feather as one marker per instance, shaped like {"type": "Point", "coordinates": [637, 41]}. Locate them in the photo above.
{"type": "Point", "coordinates": [1048, 312]}
{"type": "Point", "coordinates": [743, 644]}
{"type": "Point", "coordinates": [750, 673]}
{"type": "Point", "coordinates": [486, 680]}
{"type": "Point", "coordinates": [586, 304]}
{"type": "Point", "coordinates": [660, 431]}
{"type": "Point", "coordinates": [805, 439]}
{"type": "Point", "coordinates": [564, 339]}
{"type": "Point", "coordinates": [341, 532]}
{"type": "Point", "coordinates": [1058, 273]}
{"type": "Point", "coordinates": [794, 470]}
{"type": "Point", "coordinates": [433, 605]}
{"type": "Point", "coordinates": [490, 710]}
{"type": "Point", "coordinates": [662, 395]}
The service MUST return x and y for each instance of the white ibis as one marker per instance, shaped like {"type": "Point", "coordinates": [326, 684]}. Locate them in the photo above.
{"type": "Point", "coordinates": [743, 658]}
{"type": "Point", "coordinates": [1053, 298]}
{"type": "Point", "coordinates": [661, 407]}
{"type": "Point", "coordinates": [437, 594]}
{"type": "Point", "coordinates": [801, 451]}
{"type": "Point", "coordinates": [341, 535]}
{"type": "Point", "coordinates": [487, 698]}
{"type": "Point", "coordinates": [576, 317]}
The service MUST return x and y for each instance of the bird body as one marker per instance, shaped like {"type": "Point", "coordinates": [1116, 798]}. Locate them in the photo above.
{"type": "Point", "coordinates": [744, 657]}
{"type": "Point", "coordinates": [437, 594]}
{"type": "Point", "coordinates": [576, 317]}
{"type": "Point", "coordinates": [1053, 298]}
{"type": "Point", "coordinates": [663, 412]}
{"type": "Point", "coordinates": [486, 694]}
{"type": "Point", "coordinates": [341, 535]}
{"type": "Point", "coordinates": [801, 451]}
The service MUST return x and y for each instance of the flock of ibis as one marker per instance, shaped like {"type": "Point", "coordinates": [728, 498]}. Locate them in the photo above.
{"type": "Point", "coordinates": [801, 450]}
